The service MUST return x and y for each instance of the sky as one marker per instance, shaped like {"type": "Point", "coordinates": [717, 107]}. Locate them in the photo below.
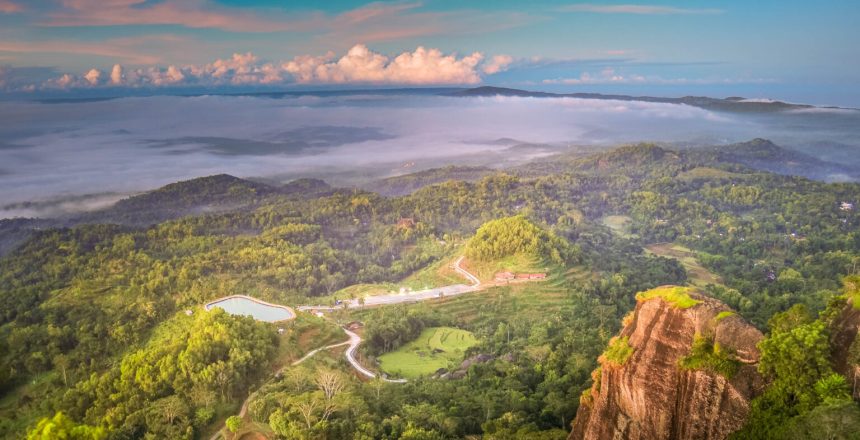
{"type": "Point", "coordinates": [794, 50]}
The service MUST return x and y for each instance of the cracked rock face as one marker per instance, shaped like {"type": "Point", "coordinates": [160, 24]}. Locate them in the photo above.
{"type": "Point", "coordinates": [650, 397]}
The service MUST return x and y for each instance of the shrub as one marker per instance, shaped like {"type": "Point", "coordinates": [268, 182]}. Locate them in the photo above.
{"type": "Point", "coordinates": [234, 423]}
{"type": "Point", "coordinates": [618, 351]}
{"type": "Point", "coordinates": [677, 296]}
{"type": "Point", "coordinates": [709, 356]}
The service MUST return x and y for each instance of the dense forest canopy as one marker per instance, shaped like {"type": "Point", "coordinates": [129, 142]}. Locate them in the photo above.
{"type": "Point", "coordinates": [94, 336]}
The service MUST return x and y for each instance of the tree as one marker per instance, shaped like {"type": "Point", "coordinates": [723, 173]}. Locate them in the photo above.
{"type": "Point", "coordinates": [62, 427]}
{"type": "Point", "coordinates": [234, 423]}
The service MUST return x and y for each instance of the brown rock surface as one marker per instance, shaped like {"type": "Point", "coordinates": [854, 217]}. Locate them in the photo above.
{"type": "Point", "coordinates": [650, 398]}
{"type": "Point", "coordinates": [843, 341]}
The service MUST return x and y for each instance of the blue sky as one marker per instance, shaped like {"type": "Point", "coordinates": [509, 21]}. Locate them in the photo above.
{"type": "Point", "coordinates": [788, 49]}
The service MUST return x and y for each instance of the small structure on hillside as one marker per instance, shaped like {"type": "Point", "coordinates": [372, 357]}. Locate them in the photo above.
{"type": "Point", "coordinates": [505, 277]}
{"type": "Point", "coordinates": [406, 223]}
{"type": "Point", "coordinates": [280, 330]}
{"type": "Point", "coordinates": [189, 312]}
{"type": "Point", "coordinates": [845, 206]}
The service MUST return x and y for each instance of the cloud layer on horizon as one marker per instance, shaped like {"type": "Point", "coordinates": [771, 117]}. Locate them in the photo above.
{"type": "Point", "coordinates": [360, 65]}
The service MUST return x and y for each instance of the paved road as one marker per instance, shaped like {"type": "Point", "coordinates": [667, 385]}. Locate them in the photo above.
{"type": "Point", "coordinates": [410, 297]}
{"type": "Point", "coordinates": [355, 340]}
{"type": "Point", "coordinates": [421, 295]}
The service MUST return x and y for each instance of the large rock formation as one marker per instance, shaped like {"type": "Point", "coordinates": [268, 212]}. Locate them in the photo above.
{"type": "Point", "coordinates": [845, 344]}
{"type": "Point", "coordinates": [648, 395]}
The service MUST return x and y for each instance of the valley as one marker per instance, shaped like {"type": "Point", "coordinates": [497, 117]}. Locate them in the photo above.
{"type": "Point", "coordinates": [463, 308]}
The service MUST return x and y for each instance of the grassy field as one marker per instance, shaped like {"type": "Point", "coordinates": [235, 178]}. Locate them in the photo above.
{"type": "Point", "coordinates": [618, 223]}
{"type": "Point", "coordinates": [435, 348]}
{"type": "Point", "coordinates": [696, 273]}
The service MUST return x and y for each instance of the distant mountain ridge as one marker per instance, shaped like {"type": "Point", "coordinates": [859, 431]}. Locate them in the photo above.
{"type": "Point", "coordinates": [731, 104]}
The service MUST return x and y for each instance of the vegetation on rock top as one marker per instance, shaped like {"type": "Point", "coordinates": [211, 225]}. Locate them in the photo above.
{"type": "Point", "coordinates": [677, 296]}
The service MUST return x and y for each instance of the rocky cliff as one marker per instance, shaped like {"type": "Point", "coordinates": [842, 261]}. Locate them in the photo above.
{"type": "Point", "coordinates": [683, 367]}
{"type": "Point", "coordinates": [845, 343]}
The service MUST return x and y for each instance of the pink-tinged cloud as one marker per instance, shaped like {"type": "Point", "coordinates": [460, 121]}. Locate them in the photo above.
{"type": "Point", "coordinates": [10, 7]}
{"type": "Point", "coordinates": [373, 22]}
{"type": "Point", "coordinates": [186, 13]}
{"type": "Point", "coordinates": [374, 11]}
{"type": "Point", "coordinates": [116, 75]}
{"type": "Point", "coordinates": [636, 9]}
{"type": "Point", "coordinates": [498, 63]}
{"type": "Point", "coordinates": [126, 50]}
{"type": "Point", "coordinates": [362, 65]}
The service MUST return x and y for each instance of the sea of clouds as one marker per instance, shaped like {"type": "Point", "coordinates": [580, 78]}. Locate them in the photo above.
{"type": "Point", "coordinates": [71, 156]}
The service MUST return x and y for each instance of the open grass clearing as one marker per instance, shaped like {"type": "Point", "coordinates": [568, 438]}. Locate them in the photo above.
{"type": "Point", "coordinates": [697, 274]}
{"type": "Point", "coordinates": [435, 348]}
{"type": "Point", "coordinates": [620, 224]}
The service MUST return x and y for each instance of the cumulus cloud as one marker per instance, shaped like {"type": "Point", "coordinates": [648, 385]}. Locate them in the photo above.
{"type": "Point", "coordinates": [360, 65]}
{"type": "Point", "coordinates": [636, 9]}
{"type": "Point", "coordinates": [498, 63]}
{"type": "Point", "coordinates": [116, 74]}
{"type": "Point", "coordinates": [93, 76]}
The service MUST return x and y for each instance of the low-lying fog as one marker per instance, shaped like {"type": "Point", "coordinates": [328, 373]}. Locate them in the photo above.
{"type": "Point", "coordinates": [62, 157]}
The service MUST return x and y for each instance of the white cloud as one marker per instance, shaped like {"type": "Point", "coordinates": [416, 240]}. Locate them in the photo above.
{"type": "Point", "coordinates": [93, 76]}
{"type": "Point", "coordinates": [636, 9]}
{"type": "Point", "coordinates": [359, 65]}
{"type": "Point", "coordinates": [498, 63]}
{"type": "Point", "coordinates": [116, 74]}
{"type": "Point", "coordinates": [362, 65]}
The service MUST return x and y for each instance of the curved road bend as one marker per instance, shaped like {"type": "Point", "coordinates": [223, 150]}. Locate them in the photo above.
{"type": "Point", "coordinates": [420, 295]}
{"type": "Point", "coordinates": [355, 340]}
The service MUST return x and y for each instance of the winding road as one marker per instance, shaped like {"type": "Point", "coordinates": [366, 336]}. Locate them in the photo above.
{"type": "Point", "coordinates": [410, 297]}
{"type": "Point", "coordinates": [421, 295]}
{"type": "Point", "coordinates": [355, 340]}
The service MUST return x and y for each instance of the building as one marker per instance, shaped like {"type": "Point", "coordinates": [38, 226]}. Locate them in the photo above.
{"type": "Point", "coordinates": [845, 206]}
{"type": "Point", "coordinates": [406, 223]}
{"type": "Point", "coordinates": [504, 276]}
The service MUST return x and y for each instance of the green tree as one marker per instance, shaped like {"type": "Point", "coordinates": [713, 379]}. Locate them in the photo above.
{"type": "Point", "coordinates": [234, 423]}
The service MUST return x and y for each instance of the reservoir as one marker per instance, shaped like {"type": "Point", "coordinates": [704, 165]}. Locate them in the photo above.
{"type": "Point", "coordinates": [259, 310]}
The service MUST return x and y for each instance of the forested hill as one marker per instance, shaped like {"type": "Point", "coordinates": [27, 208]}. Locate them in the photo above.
{"type": "Point", "coordinates": [643, 160]}
{"type": "Point", "coordinates": [763, 154]}
{"type": "Point", "coordinates": [94, 331]}
{"type": "Point", "coordinates": [407, 183]}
